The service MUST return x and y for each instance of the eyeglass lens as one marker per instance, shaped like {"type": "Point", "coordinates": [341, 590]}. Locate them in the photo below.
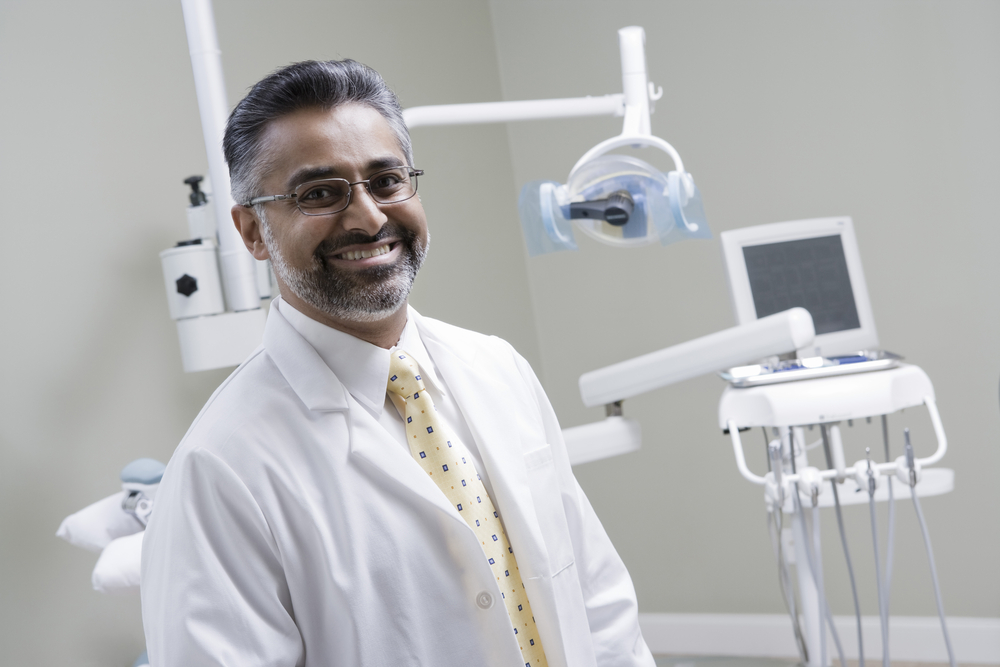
{"type": "Point", "coordinates": [332, 195]}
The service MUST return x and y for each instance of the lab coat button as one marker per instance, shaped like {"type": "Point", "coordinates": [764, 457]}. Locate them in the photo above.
{"type": "Point", "coordinates": [484, 600]}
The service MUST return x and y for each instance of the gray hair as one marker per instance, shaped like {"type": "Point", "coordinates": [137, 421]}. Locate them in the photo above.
{"type": "Point", "coordinates": [311, 83]}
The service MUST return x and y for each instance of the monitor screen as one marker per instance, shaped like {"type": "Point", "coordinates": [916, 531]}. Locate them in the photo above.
{"type": "Point", "coordinates": [811, 273]}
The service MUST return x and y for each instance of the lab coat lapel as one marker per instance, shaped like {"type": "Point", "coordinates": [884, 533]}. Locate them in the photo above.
{"type": "Point", "coordinates": [319, 389]}
{"type": "Point", "coordinates": [483, 402]}
{"type": "Point", "coordinates": [388, 459]}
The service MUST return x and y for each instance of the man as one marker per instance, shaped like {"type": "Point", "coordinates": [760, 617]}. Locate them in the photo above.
{"type": "Point", "coordinates": [300, 522]}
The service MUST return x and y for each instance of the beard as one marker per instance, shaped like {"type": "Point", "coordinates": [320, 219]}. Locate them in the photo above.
{"type": "Point", "coordinates": [366, 295]}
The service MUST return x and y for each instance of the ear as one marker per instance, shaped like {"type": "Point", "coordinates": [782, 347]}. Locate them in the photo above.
{"type": "Point", "coordinates": [248, 226]}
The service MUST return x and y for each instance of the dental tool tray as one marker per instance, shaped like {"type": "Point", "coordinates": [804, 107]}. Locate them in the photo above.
{"type": "Point", "coordinates": [810, 367]}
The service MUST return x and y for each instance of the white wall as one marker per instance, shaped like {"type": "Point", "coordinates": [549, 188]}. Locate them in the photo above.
{"type": "Point", "coordinates": [884, 111]}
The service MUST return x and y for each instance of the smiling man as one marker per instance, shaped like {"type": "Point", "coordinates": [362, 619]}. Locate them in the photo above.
{"type": "Point", "coordinates": [371, 487]}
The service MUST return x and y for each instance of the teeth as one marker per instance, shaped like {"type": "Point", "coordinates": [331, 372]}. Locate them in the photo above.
{"type": "Point", "coordinates": [363, 254]}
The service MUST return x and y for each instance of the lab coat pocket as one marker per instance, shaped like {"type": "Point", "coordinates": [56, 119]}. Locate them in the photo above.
{"type": "Point", "coordinates": [545, 494]}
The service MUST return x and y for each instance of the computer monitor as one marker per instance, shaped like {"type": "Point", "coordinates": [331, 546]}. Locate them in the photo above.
{"type": "Point", "coordinates": [809, 263]}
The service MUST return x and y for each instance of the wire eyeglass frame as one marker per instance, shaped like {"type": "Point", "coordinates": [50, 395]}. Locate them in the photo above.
{"type": "Point", "coordinates": [304, 188]}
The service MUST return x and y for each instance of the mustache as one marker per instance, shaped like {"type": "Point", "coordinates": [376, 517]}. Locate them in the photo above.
{"type": "Point", "coordinates": [388, 230]}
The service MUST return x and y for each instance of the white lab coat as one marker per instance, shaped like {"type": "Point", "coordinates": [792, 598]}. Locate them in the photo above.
{"type": "Point", "coordinates": [291, 529]}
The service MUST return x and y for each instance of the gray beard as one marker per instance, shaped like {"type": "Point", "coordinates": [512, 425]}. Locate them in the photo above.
{"type": "Point", "coordinates": [368, 295]}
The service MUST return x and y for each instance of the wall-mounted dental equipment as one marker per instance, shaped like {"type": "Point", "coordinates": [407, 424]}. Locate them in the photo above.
{"type": "Point", "coordinates": [214, 286]}
{"type": "Point", "coordinates": [618, 200]}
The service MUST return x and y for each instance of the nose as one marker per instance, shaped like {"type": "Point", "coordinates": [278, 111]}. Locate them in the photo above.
{"type": "Point", "coordinates": [362, 213]}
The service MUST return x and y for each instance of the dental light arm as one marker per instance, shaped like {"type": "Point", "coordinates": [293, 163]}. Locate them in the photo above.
{"type": "Point", "coordinates": [775, 334]}
{"type": "Point", "coordinates": [633, 103]}
{"type": "Point", "coordinates": [504, 112]}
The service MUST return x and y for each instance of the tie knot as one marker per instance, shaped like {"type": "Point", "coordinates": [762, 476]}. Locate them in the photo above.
{"type": "Point", "coordinates": [404, 374]}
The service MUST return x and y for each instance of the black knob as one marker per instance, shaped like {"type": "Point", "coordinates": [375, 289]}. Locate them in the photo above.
{"type": "Point", "coordinates": [619, 208]}
{"type": "Point", "coordinates": [197, 197]}
{"type": "Point", "coordinates": [187, 285]}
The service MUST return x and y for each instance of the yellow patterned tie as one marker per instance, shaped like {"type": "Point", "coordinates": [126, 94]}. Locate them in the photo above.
{"type": "Point", "coordinates": [446, 460]}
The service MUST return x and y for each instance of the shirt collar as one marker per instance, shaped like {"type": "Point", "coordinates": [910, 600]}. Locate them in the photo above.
{"type": "Point", "coordinates": [411, 342]}
{"type": "Point", "coordinates": [363, 368]}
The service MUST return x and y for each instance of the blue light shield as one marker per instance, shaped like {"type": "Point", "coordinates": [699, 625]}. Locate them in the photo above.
{"type": "Point", "coordinates": [685, 209]}
{"type": "Point", "coordinates": [546, 228]}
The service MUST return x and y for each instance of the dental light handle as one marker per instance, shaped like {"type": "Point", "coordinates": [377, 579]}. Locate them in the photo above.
{"type": "Point", "coordinates": [775, 334]}
{"type": "Point", "coordinates": [239, 271]}
{"type": "Point", "coordinates": [615, 209]}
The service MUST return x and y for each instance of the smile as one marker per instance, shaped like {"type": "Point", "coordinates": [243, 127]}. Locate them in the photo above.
{"type": "Point", "coordinates": [364, 254]}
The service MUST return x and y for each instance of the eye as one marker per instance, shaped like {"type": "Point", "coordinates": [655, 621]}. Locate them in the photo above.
{"type": "Point", "coordinates": [389, 181]}
{"type": "Point", "coordinates": [320, 195]}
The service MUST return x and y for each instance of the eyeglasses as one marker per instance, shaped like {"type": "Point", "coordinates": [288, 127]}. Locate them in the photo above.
{"type": "Point", "coordinates": [332, 195]}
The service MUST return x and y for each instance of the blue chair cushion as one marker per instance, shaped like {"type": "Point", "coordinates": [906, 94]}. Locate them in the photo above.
{"type": "Point", "coordinates": [143, 471]}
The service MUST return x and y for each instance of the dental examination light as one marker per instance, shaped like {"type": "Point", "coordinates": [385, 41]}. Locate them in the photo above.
{"type": "Point", "coordinates": [214, 286]}
{"type": "Point", "coordinates": [622, 201]}
{"type": "Point", "coordinates": [618, 200]}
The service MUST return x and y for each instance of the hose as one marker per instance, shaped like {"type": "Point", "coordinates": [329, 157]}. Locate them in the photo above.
{"type": "Point", "coordinates": [812, 554]}
{"type": "Point", "coordinates": [784, 581]}
{"type": "Point", "coordinates": [930, 553]}
{"type": "Point", "coordinates": [819, 573]}
{"type": "Point", "coordinates": [843, 542]}
{"type": "Point", "coordinates": [892, 521]}
{"type": "Point", "coordinates": [883, 620]}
